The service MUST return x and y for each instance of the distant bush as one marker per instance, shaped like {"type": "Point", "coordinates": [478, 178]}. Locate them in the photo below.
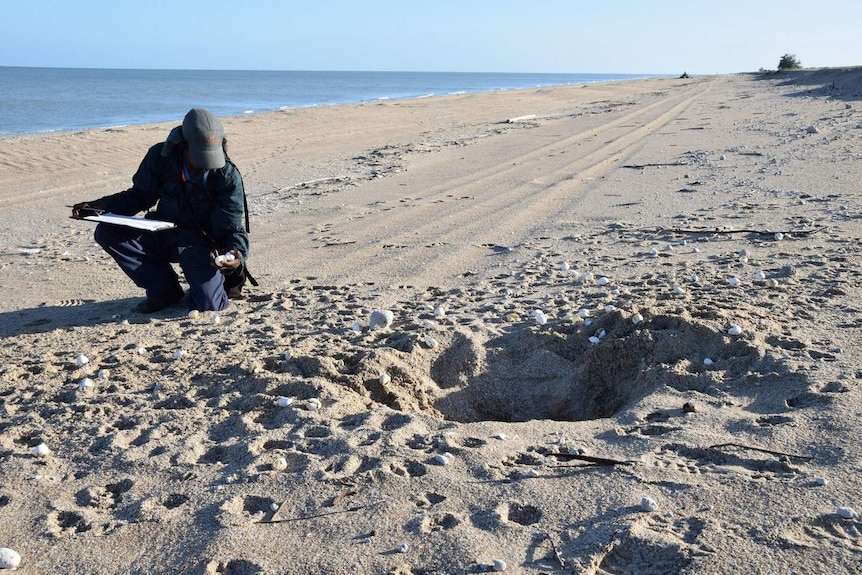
{"type": "Point", "coordinates": [789, 62]}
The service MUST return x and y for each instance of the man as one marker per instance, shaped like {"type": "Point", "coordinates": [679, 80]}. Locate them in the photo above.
{"type": "Point", "coordinates": [191, 182]}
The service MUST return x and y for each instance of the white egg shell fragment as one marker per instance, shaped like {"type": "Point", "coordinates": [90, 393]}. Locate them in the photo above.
{"type": "Point", "coordinates": [41, 450]}
{"type": "Point", "coordinates": [9, 558]}
{"type": "Point", "coordinates": [847, 513]}
{"type": "Point", "coordinates": [648, 504]}
{"type": "Point", "coordinates": [381, 318]}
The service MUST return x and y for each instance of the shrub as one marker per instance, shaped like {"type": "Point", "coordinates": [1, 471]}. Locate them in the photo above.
{"type": "Point", "coordinates": [789, 62]}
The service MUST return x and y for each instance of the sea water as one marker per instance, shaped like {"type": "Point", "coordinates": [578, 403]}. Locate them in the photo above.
{"type": "Point", "coordinates": [38, 100]}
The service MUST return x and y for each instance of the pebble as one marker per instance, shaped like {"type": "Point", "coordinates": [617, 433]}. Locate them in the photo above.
{"type": "Point", "coordinates": [847, 513]}
{"type": "Point", "coordinates": [648, 504]}
{"type": "Point", "coordinates": [381, 318]}
{"type": "Point", "coordinates": [689, 407]}
{"type": "Point", "coordinates": [41, 450]}
{"type": "Point", "coordinates": [540, 317]}
{"type": "Point", "coordinates": [9, 558]}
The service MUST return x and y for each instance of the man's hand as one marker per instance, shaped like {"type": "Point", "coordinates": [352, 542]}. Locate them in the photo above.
{"type": "Point", "coordinates": [86, 209]}
{"type": "Point", "coordinates": [228, 262]}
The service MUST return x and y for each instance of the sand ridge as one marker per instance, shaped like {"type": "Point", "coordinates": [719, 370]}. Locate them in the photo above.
{"type": "Point", "coordinates": [646, 291]}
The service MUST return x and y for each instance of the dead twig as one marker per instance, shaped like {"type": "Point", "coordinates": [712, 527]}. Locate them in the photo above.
{"type": "Point", "coordinates": [588, 458]}
{"type": "Point", "coordinates": [642, 166]}
{"type": "Point", "coordinates": [316, 515]}
{"type": "Point", "coordinates": [794, 233]}
{"type": "Point", "coordinates": [560, 559]}
{"type": "Point", "coordinates": [769, 451]}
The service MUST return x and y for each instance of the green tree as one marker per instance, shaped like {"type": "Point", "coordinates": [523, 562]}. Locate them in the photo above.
{"type": "Point", "coordinates": [789, 62]}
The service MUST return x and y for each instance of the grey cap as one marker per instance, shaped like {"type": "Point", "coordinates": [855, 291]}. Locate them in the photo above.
{"type": "Point", "coordinates": [204, 134]}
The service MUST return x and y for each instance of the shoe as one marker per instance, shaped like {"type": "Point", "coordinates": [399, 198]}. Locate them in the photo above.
{"type": "Point", "coordinates": [154, 304]}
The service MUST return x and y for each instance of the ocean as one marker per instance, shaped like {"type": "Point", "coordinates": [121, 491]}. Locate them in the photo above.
{"type": "Point", "coordinates": [39, 100]}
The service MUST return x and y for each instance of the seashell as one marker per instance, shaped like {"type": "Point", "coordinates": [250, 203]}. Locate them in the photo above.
{"type": "Point", "coordinates": [9, 558]}
{"type": "Point", "coordinates": [653, 252]}
{"type": "Point", "coordinates": [822, 481]}
{"type": "Point", "coordinates": [501, 436]}
{"type": "Point", "coordinates": [82, 359]}
{"type": "Point", "coordinates": [773, 283]}
{"type": "Point", "coordinates": [219, 260]}
{"type": "Point", "coordinates": [594, 340]}
{"type": "Point", "coordinates": [142, 350]}
{"type": "Point", "coordinates": [669, 247]}
{"type": "Point", "coordinates": [847, 513]}
{"type": "Point", "coordinates": [695, 250]}
{"type": "Point", "coordinates": [574, 274]}
{"type": "Point", "coordinates": [610, 307]}
{"type": "Point", "coordinates": [439, 311]}
{"type": "Point", "coordinates": [722, 158]}
{"type": "Point", "coordinates": [287, 355]}
{"type": "Point", "coordinates": [499, 565]}
{"type": "Point", "coordinates": [443, 458]}
{"type": "Point", "coordinates": [280, 464]}
{"type": "Point", "coordinates": [284, 401]}
{"type": "Point", "coordinates": [381, 318]}
{"type": "Point", "coordinates": [178, 353]}
{"type": "Point", "coordinates": [274, 506]}
{"type": "Point", "coordinates": [403, 548]}
{"type": "Point", "coordinates": [734, 330]}
{"type": "Point", "coordinates": [648, 504]}
{"type": "Point", "coordinates": [588, 322]}
{"type": "Point", "coordinates": [41, 450]}
{"type": "Point", "coordinates": [603, 281]}
{"type": "Point", "coordinates": [431, 342]}
{"type": "Point", "coordinates": [313, 404]}
{"type": "Point", "coordinates": [707, 361]}
{"type": "Point", "coordinates": [540, 318]}
{"type": "Point", "coordinates": [693, 279]}
{"type": "Point", "coordinates": [689, 407]}
{"type": "Point", "coordinates": [193, 314]}
{"type": "Point", "coordinates": [229, 257]}
{"type": "Point", "coordinates": [678, 290]}
{"type": "Point", "coordinates": [513, 317]}
{"type": "Point", "coordinates": [384, 379]}
{"type": "Point", "coordinates": [637, 318]}
{"type": "Point", "coordinates": [532, 473]}
{"type": "Point", "coordinates": [103, 374]}
{"type": "Point", "coordinates": [778, 236]}
{"type": "Point", "coordinates": [583, 312]}
{"type": "Point", "coordinates": [564, 266]}
{"type": "Point", "coordinates": [588, 277]}
{"type": "Point", "coordinates": [812, 129]}
{"type": "Point", "coordinates": [759, 276]}
{"type": "Point", "coordinates": [216, 319]}
{"type": "Point", "coordinates": [734, 282]}
{"type": "Point", "coordinates": [85, 383]}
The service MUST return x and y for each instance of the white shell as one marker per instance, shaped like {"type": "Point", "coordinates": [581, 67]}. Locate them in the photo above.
{"type": "Point", "coordinates": [501, 436]}
{"type": "Point", "coordinates": [653, 252]}
{"type": "Point", "coordinates": [287, 355]}
{"type": "Point", "coordinates": [284, 401]}
{"type": "Point", "coordinates": [41, 450]}
{"type": "Point", "coordinates": [648, 504]}
{"type": "Point", "coordinates": [734, 282]}
{"type": "Point", "coordinates": [229, 257]}
{"type": "Point", "coordinates": [274, 506]}
{"type": "Point", "coordinates": [532, 473]}
{"type": "Point", "coordinates": [679, 290]}
{"type": "Point", "coordinates": [734, 330]}
{"type": "Point", "coordinates": [821, 481]}
{"type": "Point", "coordinates": [603, 281]}
{"type": "Point", "coordinates": [219, 260]}
{"type": "Point", "coordinates": [431, 342]}
{"type": "Point", "coordinates": [594, 340]}
{"type": "Point", "coordinates": [193, 314]}
{"type": "Point", "coordinates": [439, 311]}
{"type": "Point", "coordinates": [442, 458]}
{"type": "Point", "coordinates": [637, 318]}
{"type": "Point", "coordinates": [385, 378]}
{"type": "Point", "coordinates": [82, 359]}
{"type": "Point", "coordinates": [9, 558]}
{"type": "Point", "coordinates": [280, 464]}
{"type": "Point", "coordinates": [759, 276]}
{"type": "Point", "coordinates": [779, 236]}
{"type": "Point", "coordinates": [499, 565]}
{"type": "Point", "coordinates": [103, 374]}
{"type": "Point", "coordinates": [381, 318]}
{"type": "Point", "coordinates": [216, 319]}
{"type": "Point", "coordinates": [540, 318]}
{"type": "Point", "coordinates": [403, 548]}
{"type": "Point", "coordinates": [85, 383]}
{"type": "Point", "coordinates": [610, 307]}
{"type": "Point", "coordinates": [142, 350]}
{"type": "Point", "coordinates": [847, 513]}
{"type": "Point", "coordinates": [564, 266]}
{"type": "Point", "coordinates": [178, 353]}
{"type": "Point", "coordinates": [313, 404]}
{"type": "Point", "coordinates": [693, 279]}
{"type": "Point", "coordinates": [583, 312]}
{"type": "Point", "coordinates": [707, 361]}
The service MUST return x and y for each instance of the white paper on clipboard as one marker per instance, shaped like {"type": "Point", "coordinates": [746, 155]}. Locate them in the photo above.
{"type": "Point", "coordinates": [131, 222]}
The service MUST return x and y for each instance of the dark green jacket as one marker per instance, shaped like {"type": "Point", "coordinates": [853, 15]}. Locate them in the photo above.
{"type": "Point", "coordinates": [216, 208]}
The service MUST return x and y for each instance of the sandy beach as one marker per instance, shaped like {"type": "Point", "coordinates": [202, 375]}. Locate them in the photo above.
{"type": "Point", "coordinates": [621, 337]}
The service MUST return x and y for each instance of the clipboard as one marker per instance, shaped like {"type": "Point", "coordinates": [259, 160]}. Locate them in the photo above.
{"type": "Point", "coordinates": [130, 222]}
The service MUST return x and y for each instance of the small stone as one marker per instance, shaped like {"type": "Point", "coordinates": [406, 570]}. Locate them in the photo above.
{"type": "Point", "coordinates": [734, 330]}
{"type": "Point", "coordinates": [9, 558]}
{"type": "Point", "coordinates": [41, 450]}
{"type": "Point", "coordinates": [648, 504]}
{"type": "Point", "coordinates": [689, 407]}
{"type": "Point", "coordinates": [385, 378]}
{"type": "Point", "coordinates": [847, 513]}
{"type": "Point", "coordinates": [822, 481]}
{"type": "Point", "coordinates": [499, 565]}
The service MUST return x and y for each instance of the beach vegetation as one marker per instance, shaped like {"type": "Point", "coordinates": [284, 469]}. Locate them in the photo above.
{"type": "Point", "coordinates": [789, 62]}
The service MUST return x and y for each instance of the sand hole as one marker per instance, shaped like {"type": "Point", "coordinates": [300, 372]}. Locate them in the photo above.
{"type": "Point", "coordinates": [558, 374]}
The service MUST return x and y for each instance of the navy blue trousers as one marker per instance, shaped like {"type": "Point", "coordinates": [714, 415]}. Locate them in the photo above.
{"type": "Point", "coordinates": [146, 257]}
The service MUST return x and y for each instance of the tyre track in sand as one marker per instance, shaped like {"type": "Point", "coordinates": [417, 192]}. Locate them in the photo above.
{"type": "Point", "coordinates": [426, 239]}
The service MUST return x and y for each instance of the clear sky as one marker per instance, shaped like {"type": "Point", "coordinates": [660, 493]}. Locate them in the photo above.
{"type": "Point", "coordinates": [572, 36]}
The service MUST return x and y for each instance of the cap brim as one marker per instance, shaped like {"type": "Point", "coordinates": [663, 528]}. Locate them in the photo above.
{"type": "Point", "coordinates": [208, 159]}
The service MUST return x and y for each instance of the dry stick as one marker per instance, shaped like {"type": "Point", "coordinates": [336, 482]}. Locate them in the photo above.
{"type": "Point", "coordinates": [316, 515]}
{"type": "Point", "coordinates": [557, 553]}
{"type": "Point", "coordinates": [800, 233]}
{"type": "Point", "coordinates": [594, 460]}
{"type": "Point", "coordinates": [769, 451]}
{"type": "Point", "coordinates": [641, 166]}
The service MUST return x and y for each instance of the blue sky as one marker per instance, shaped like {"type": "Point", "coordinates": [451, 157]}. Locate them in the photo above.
{"type": "Point", "coordinates": [601, 36]}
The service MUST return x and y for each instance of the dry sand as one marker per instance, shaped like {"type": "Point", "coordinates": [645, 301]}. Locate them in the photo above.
{"type": "Point", "coordinates": [501, 434]}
